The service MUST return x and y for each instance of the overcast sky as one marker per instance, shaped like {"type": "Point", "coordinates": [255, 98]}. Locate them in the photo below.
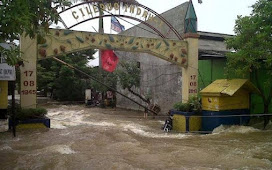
{"type": "Point", "coordinates": [213, 15]}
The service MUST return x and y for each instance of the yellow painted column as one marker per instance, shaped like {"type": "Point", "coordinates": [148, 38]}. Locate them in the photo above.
{"type": "Point", "coordinates": [190, 73]}
{"type": "Point", "coordinates": [28, 71]}
{"type": "Point", "coordinates": [3, 94]}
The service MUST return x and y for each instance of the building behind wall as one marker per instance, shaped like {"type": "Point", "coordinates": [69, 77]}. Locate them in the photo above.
{"type": "Point", "coordinates": [212, 58]}
{"type": "Point", "coordinates": [160, 79]}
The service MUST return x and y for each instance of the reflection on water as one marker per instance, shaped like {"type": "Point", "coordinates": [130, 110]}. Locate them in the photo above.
{"type": "Point", "coordinates": [94, 138]}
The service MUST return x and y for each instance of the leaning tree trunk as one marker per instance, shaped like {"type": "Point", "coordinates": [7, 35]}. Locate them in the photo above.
{"type": "Point", "coordinates": [155, 109]}
{"type": "Point", "coordinates": [138, 95]}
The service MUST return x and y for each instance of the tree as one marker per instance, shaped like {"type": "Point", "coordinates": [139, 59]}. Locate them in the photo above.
{"type": "Point", "coordinates": [253, 49]}
{"type": "Point", "coordinates": [32, 17]}
{"type": "Point", "coordinates": [68, 87]}
{"type": "Point", "coordinates": [67, 84]}
{"type": "Point", "coordinates": [129, 77]}
{"type": "Point", "coordinates": [110, 79]}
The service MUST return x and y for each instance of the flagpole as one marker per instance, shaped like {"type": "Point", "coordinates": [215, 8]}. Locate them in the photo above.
{"type": "Point", "coordinates": [100, 30]}
{"type": "Point", "coordinates": [110, 31]}
{"type": "Point", "coordinates": [110, 27]}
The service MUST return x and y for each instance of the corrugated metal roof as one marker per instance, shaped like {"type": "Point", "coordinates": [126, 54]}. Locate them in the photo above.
{"type": "Point", "coordinates": [228, 87]}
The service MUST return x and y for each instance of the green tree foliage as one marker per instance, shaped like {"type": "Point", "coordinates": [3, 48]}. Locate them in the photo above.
{"type": "Point", "coordinates": [129, 74]}
{"type": "Point", "coordinates": [62, 81]}
{"type": "Point", "coordinates": [30, 16]}
{"type": "Point", "coordinates": [68, 86]}
{"type": "Point", "coordinates": [253, 48]}
{"type": "Point", "coordinates": [110, 79]}
{"type": "Point", "coordinates": [129, 77]}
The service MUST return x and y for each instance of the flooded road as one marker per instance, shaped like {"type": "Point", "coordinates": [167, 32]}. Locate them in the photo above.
{"type": "Point", "coordinates": [94, 138]}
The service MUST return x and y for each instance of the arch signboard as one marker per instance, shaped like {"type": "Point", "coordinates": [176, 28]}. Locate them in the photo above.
{"type": "Point", "coordinates": [59, 42]}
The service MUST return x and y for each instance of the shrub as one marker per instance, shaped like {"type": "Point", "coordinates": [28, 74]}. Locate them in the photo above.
{"type": "Point", "coordinates": [195, 104]}
{"type": "Point", "coordinates": [29, 113]}
{"type": "Point", "coordinates": [192, 105]}
{"type": "Point", "coordinates": [184, 107]}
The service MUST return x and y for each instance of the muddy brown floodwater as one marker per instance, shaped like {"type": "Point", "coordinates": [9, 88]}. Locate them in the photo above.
{"type": "Point", "coordinates": [94, 138]}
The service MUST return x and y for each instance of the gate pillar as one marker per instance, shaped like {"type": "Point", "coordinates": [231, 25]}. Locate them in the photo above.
{"type": "Point", "coordinates": [28, 72]}
{"type": "Point", "coordinates": [190, 73]}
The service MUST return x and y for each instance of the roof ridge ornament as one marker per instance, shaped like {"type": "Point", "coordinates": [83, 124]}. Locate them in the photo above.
{"type": "Point", "coordinates": [190, 23]}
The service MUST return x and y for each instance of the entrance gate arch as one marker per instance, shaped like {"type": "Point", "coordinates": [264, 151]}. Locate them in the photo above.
{"type": "Point", "coordinates": [62, 41]}
{"type": "Point", "coordinates": [89, 10]}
